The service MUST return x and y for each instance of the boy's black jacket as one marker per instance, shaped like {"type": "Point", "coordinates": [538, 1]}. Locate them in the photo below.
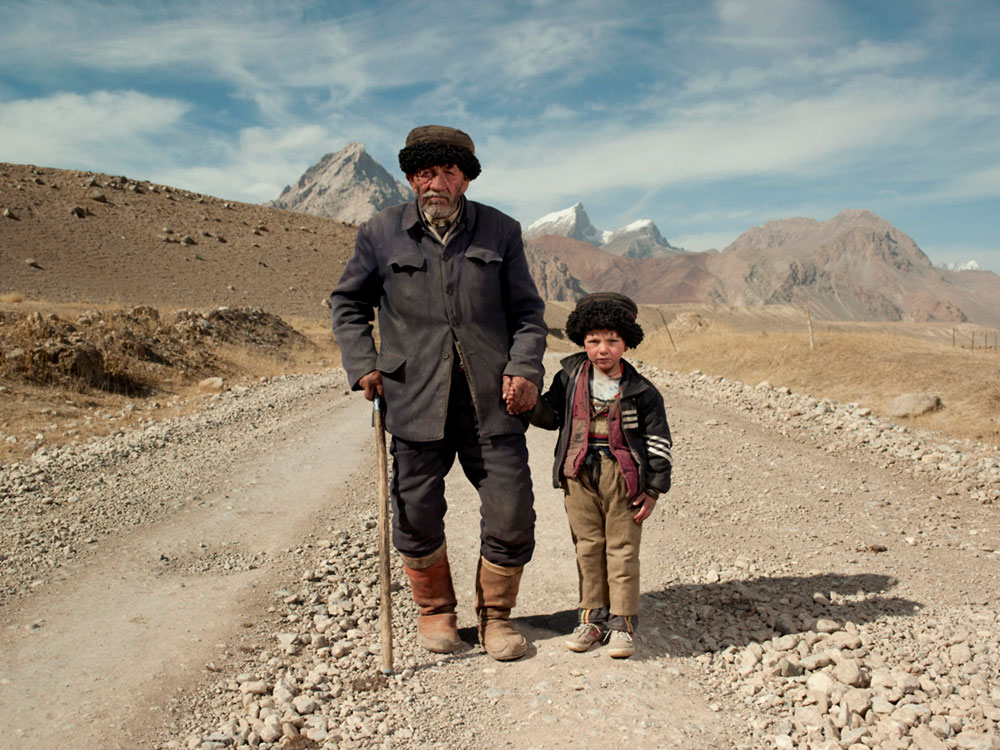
{"type": "Point", "coordinates": [554, 408]}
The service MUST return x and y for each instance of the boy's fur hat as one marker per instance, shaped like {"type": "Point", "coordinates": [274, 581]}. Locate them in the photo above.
{"type": "Point", "coordinates": [438, 145]}
{"type": "Point", "coordinates": [605, 311]}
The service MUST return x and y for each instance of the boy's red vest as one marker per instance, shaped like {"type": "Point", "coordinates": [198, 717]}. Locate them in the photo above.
{"type": "Point", "coordinates": [576, 449]}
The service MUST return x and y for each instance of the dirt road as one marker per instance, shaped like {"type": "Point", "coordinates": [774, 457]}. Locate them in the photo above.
{"type": "Point", "coordinates": [138, 641]}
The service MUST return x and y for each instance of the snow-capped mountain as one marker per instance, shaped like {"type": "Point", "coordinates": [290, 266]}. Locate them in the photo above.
{"type": "Point", "coordinates": [348, 185]}
{"type": "Point", "coordinates": [571, 222]}
{"type": "Point", "coordinates": [640, 239]}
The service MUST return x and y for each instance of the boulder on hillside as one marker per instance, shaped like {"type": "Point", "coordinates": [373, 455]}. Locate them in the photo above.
{"type": "Point", "coordinates": [214, 384]}
{"type": "Point", "coordinates": [912, 404]}
{"type": "Point", "coordinates": [688, 322]}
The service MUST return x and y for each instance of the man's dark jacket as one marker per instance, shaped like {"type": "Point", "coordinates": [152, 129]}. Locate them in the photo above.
{"type": "Point", "coordinates": [475, 297]}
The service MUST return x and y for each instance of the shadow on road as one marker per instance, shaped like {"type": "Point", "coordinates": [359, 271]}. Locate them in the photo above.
{"type": "Point", "coordinates": [691, 619]}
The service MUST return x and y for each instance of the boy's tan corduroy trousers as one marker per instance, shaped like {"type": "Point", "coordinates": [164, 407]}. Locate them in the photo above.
{"type": "Point", "coordinates": [606, 539]}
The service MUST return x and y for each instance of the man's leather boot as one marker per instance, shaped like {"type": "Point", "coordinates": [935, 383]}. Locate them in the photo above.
{"type": "Point", "coordinates": [430, 580]}
{"type": "Point", "coordinates": [496, 594]}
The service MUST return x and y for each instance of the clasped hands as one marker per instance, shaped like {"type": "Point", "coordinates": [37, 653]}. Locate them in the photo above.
{"type": "Point", "coordinates": [519, 394]}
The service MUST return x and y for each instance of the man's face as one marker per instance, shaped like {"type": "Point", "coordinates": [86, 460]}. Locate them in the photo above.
{"type": "Point", "coordinates": [438, 189]}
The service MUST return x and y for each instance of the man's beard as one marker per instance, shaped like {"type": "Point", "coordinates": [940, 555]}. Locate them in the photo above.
{"type": "Point", "coordinates": [438, 210]}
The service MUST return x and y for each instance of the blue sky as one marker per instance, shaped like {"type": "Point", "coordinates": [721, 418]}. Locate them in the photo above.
{"type": "Point", "coordinates": [707, 117]}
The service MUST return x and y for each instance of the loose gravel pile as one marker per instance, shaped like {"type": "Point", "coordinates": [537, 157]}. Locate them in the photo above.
{"type": "Point", "coordinates": [787, 675]}
{"type": "Point", "coordinates": [317, 682]}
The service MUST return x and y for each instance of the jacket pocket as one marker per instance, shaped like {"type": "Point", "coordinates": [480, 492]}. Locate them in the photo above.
{"type": "Point", "coordinates": [482, 287]}
{"type": "Point", "coordinates": [482, 255]}
{"type": "Point", "coordinates": [408, 262]}
{"type": "Point", "coordinates": [389, 364]}
{"type": "Point", "coordinates": [407, 283]}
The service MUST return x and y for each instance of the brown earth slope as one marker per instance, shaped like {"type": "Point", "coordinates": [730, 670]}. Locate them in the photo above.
{"type": "Point", "coordinates": [679, 278]}
{"type": "Point", "coordinates": [68, 236]}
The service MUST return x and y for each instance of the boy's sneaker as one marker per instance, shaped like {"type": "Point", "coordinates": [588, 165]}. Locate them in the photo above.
{"type": "Point", "coordinates": [620, 644]}
{"type": "Point", "coordinates": [585, 636]}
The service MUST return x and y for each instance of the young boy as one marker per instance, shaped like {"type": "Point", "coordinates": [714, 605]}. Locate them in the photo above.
{"type": "Point", "coordinates": [612, 461]}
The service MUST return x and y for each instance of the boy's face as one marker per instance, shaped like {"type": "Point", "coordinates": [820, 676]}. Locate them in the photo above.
{"type": "Point", "coordinates": [604, 349]}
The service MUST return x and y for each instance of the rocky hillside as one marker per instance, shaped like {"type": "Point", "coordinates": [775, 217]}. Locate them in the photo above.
{"type": "Point", "coordinates": [856, 266]}
{"type": "Point", "coordinates": [348, 185]}
{"type": "Point", "coordinates": [681, 278]}
{"type": "Point", "coordinates": [552, 277]}
{"type": "Point", "coordinates": [69, 236]}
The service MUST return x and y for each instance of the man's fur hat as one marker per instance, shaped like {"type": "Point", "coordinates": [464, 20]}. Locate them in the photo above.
{"type": "Point", "coordinates": [438, 145]}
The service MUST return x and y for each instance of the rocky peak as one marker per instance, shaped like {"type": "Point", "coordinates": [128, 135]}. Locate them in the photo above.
{"type": "Point", "coordinates": [571, 222]}
{"type": "Point", "coordinates": [640, 239]}
{"type": "Point", "coordinates": [348, 185]}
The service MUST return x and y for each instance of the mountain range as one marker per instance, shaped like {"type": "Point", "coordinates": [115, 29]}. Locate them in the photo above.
{"type": "Point", "coordinates": [855, 266]}
{"type": "Point", "coordinates": [83, 236]}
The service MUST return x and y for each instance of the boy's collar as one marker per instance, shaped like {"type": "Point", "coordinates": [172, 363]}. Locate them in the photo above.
{"type": "Point", "coordinates": [632, 382]}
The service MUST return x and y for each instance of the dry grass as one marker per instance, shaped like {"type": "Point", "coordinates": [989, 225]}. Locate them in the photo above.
{"type": "Point", "coordinates": [258, 363]}
{"type": "Point", "coordinates": [66, 410]}
{"type": "Point", "coordinates": [849, 366]}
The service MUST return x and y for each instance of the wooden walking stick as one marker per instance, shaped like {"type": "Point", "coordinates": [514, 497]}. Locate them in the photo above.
{"type": "Point", "coordinates": [384, 575]}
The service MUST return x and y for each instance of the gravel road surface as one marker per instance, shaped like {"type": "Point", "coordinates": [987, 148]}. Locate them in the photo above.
{"type": "Point", "coordinates": [817, 578]}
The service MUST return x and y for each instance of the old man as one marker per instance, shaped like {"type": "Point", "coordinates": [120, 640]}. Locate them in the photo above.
{"type": "Point", "coordinates": [459, 364]}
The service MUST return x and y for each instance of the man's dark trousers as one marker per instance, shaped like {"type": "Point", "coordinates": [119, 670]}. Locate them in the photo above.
{"type": "Point", "coordinates": [496, 466]}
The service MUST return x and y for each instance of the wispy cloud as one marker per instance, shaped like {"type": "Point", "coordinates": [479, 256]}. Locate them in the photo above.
{"type": "Point", "coordinates": [775, 24]}
{"type": "Point", "coordinates": [256, 167]}
{"type": "Point", "coordinates": [67, 130]}
{"type": "Point", "coordinates": [979, 184]}
{"type": "Point", "coordinates": [738, 137]}
{"type": "Point", "coordinates": [861, 58]}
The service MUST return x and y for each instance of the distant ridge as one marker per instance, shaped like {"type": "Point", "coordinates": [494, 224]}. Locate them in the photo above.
{"type": "Point", "coordinates": [348, 185]}
{"type": "Point", "coordinates": [855, 266]}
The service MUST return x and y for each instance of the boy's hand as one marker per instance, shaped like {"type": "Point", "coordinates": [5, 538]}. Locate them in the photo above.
{"type": "Point", "coordinates": [645, 503]}
{"type": "Point", "coordinates": [519, 393]}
